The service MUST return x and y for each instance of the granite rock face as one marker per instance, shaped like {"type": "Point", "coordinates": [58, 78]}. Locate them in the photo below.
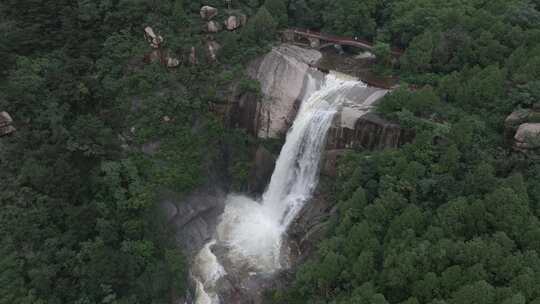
{"type": "Point", "coordinates": [522, 129]}
{"type": "Point", "coordinates": [193, 217]}
{"type": "Point", "coordinates": [283, 74]}
{"type": "Point", "coordinates": [527, 137]}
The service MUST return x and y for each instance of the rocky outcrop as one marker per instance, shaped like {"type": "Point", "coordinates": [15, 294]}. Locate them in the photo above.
{"type": "Point", "coordinates": [159, 54]}
{"type": "Point", "coordinates": [522, 129]}
{"type": "Point", "coordinates": [6, 122]}
{"type": "Point", "coordinates": [283, 74]}
{"type": "Point", "coordinates": [232, 23]}
{"type": "Point", "coordinates": [194, 217]}
{"type": "Point", "coordinates": [330, 161]}
{"type": "Point", "coordinates": [370, 132]}
{"type": "Point", "coordinates": [527, 137]}
{"type": "Point", "coordinates": [208, 12]}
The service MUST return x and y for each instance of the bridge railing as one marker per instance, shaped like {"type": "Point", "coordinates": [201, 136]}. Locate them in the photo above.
{"type": "Point", "coordinates": [340, 39]}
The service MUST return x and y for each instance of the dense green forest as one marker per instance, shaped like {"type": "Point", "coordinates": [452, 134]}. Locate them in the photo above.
{"type": "Point", "coordinates": [79, 222]}
{"type": "Point", "coordinates": [452, 217]}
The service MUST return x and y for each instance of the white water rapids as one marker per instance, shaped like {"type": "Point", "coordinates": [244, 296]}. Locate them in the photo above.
{"type": "Point", "coordinates": [252, 231]}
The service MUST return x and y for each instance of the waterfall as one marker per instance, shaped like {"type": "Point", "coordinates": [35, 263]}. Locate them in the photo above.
{"type": "Point", "coordinates": [252, 231]}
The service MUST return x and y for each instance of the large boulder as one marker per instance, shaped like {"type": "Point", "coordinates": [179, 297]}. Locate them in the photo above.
{"type": "Point", "coordinates": [153, 39]}
{"type": "Point", "coordinates": [285, 77]}
{"type": "Point", "coordinates": [527, 137]}
{"type": "Point", "coordinates": [6, 124]}
{"type": "Point", "coordinates": [520, 129]}
{"type": "Point", "coordinates": [310, 226]}
{"type": "Point", "coordinates": [212, 26]}
{"type": "Point", "coordinates": [368, 131]}
{"type": "Point", "coordinates": [514, 120]}
{"type": "Point", "coordinates": [208, 12]}
{"type": "Point", "coordinates": [330, 161]}
{"type": "Point", "coordinates": [233, 22]}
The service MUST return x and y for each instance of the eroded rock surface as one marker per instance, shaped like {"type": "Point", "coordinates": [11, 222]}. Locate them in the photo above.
{"type": "Point", "coordinates": [283, 74]}
{"type": "Point", "coordinates": [527, 136]}
{"type": "Point", "coordinates": [153, 39]}
{"type": "Point", "coordinates": [368, 131]}
{"type": "Point", "coordinates": [234, 22]}
{"type": "Point", "coordinates": [522, 129]}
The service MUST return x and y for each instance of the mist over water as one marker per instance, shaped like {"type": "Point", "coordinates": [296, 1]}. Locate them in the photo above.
{"type": "Point", "coordinates": [252, 231]}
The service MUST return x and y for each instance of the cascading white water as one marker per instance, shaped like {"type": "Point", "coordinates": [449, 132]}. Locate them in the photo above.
{"type": "Point", "coordinates": [252, 231]}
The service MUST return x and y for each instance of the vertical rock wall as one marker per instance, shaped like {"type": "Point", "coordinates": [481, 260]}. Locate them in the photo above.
{"type": "Point", "coordinates": [283, 74]}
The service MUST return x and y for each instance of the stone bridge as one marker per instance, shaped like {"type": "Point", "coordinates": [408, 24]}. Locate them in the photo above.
{"type": "Point", "coordinates": [320, 40]}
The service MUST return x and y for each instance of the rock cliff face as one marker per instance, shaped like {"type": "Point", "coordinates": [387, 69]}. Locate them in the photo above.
{"type": "Point", "coordinates": [283, 74]}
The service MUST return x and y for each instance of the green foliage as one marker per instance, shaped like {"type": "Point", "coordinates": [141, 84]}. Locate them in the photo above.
{"type": "Point", "coordinates": [81, 221]}
{"type": "Point", "coordinates": [278, 10]}
{"type": "Point", "coordinates": [261, 28]}
{"type": "Point", "coordinates": [451, 217]}
{"type": "Point", "coordinates": [418, 55]}
{"type": "Point", "coordinates": [421, 103]}
{"type": "Point", "coordinates": [351, 18]}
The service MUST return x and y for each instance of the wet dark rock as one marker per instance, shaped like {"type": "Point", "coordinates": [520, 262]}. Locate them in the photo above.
{"type": "Point", "coordinates": [245, 112]}
{"type": "Point", "coordinates": [527, 137]}
{"type": "Point", "coordinates": [310, 225]}
{"type": "Point", "coordinates": [522, 129]}
{"type": "Point", "coordinates": [330, 161]}
{"type": "Point", "coordinates": [370, 132]}
{"type": "Point", "coordinates": [195, 217]}
{"type": "Point", "coordinates": [6, 124]}
{"type": "Point", "coordinates": [263, 168]}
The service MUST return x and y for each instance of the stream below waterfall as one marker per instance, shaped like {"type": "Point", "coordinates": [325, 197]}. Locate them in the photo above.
{"type": "Point", "coordinates": [249, 237]}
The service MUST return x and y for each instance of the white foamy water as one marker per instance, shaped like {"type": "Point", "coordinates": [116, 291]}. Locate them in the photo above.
{"type": "Point", "coordinates": [252, 231]}
{"type": "Point", "coordinates": [206, 271]}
